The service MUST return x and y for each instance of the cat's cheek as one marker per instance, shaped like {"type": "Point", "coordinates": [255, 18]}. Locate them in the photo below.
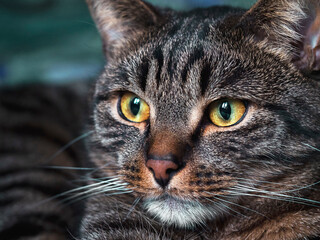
{"type": "Point", "coordinates": [180, 183]}
{"type": "Point", "coordinates": [250, 112]}
{"type": "Point", "coordinates": [191, 181]}
{"type": "Point", "coordinates": [196, 114]}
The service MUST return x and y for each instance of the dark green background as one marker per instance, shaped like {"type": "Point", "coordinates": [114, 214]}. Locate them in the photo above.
{"type": "Point", "coordinates": [56, 40]}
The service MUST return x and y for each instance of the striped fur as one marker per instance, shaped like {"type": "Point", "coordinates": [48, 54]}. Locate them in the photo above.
{"type": "Point", "coordinates": [179, 65]}
{"type": "Point", "coordinates": [35, 122]}
{"type": "Point", "coordinates": [257, 179]}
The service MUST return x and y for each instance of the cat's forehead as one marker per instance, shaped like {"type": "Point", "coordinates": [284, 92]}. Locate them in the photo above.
{"type": "Point", "coordinates": [182, 62]}
{"type": "Point", "coordinates": [192, 60]}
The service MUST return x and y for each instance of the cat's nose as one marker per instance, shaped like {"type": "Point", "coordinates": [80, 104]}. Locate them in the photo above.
{"type": "Point", "coordinates": [163, 168]}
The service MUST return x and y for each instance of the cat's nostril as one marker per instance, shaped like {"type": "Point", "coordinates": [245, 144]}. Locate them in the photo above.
{"type": "Point", "coordinates": [170, 171]}
{"type": "Point", "coordinates": [162, 170]}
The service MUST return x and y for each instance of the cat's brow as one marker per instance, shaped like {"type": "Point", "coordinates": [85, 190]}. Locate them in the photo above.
{"type": "Point", "coordinates": [158, 56]}
{"type": "Point", "coordinates": [205, 75]}
{"type": "Point", "coordinates": [194, 57]}
{"type": "Point", "coordinates": [143, 71]}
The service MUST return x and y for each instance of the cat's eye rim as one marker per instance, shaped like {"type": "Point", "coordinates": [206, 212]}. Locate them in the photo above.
{"type": "Point", "coordinates": [245, 105]}
{"type": "Point", "coordinates": [127, 116]}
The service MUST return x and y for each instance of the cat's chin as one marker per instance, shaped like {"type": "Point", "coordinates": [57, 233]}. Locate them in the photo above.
{"type": "Point", "coordinates": [180, 213]}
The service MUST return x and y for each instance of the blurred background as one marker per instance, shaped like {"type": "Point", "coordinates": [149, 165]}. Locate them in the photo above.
{"type": "Point", "coordinates": [55, 41]}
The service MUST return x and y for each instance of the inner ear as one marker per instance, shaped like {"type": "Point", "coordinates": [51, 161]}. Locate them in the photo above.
{"type": "Point", "coordinates": [121, 21]}
{"type": "Point", "coordinates": [287, 28]}
{"type": "Point", "coordinates": [308, 59]}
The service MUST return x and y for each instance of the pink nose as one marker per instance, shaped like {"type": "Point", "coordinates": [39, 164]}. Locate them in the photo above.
{"type": "Point", "coordinates": [162, 170]}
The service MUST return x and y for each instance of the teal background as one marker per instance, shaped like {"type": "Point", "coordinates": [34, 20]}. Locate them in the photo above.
{"type": "Point", "coordinates": [56, 41]}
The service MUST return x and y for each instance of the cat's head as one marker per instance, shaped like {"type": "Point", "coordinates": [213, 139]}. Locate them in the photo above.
{"type": "Point", "coordinates": [195, 113]}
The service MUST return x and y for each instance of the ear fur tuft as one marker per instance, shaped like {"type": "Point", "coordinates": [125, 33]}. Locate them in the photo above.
{"type": "Point", "coordinates": [121, 20]}
{"type": "Point", "coordinates": [287, 28]}
{"type": "Point", "coordinates": [275, 22]}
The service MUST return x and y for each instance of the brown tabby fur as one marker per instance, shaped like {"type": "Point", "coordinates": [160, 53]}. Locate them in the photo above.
{"type": "Point", "coordinates": [257, 179]}
{"type": "Point", "coordinates": [34, 126]}
{"type": "Point", "coordinates": [179, 63]}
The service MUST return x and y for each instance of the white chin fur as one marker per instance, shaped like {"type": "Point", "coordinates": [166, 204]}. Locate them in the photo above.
{"type": "Point", "coordinates": [180, 213]}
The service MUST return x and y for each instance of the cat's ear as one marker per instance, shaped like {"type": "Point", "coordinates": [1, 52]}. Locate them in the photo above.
{"type": "Point", "coordinates": [289, 28]}
{"type": "Point", "coordinates": [120, 21]}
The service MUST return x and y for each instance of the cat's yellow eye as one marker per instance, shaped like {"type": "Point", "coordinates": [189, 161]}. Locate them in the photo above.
{"type": "Point", "coordinates": [134, 108]}
{"type": "Point", "coordinates": [227, 112]}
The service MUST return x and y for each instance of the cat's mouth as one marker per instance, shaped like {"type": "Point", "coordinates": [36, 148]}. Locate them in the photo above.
{"type": "Point", "coordinates": [179, 212]}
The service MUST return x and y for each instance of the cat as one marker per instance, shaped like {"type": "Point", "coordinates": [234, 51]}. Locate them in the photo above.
{"type": "Point", "coordinates": [210, 119]}
{"type": "Point", "coordinates": [205, 125]}
{"type": "Point", "coordinates": [36, 165]}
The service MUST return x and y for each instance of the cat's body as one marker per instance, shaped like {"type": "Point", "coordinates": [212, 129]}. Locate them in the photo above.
{"type": "Point", "coordinates": [36, 165]}
{"type": "Point", "coordinates": [206, 127]}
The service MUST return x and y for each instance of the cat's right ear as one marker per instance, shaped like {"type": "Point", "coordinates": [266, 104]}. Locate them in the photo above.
{"type": "Point", "coordinates": [287, 28]}
{"type": "Point", "coordinates": [121, 21]}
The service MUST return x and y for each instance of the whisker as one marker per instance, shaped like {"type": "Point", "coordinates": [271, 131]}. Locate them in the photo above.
{"type": "Point", "coordinates": [75, 190]}
{"type": "Point", "coordinates": [69, 144]}
{"type": "Point", "coordinates": [268, 197]}
{"type": "Point", "coordinates": [263, 181]}
{"type": "Point", "coordinates": [85, 22]}
{"type": "Point", "coordinates": [238, 205]}
{"type": "Point", "coordinates": [227, 207]}
{"type": "Point", "coordinates": [136, 201]}
{"type": "Point", "coordinates": [99, 168]}
{"type": "Point", "coordinates": [102, 178]}
{"type": "Point", "coordinates": [280, 197]}
{"type": "Point", "coordinates": [68, 168]}
{"type": "Point", "coordinates": [101, 187]}
{"type": "Point", "coordinates": [312, 147]}
{"type": "Point", "coordinates": [97, 193]}
{"type": "Point", "coordinates": [279, 194]}
{"type": "Point", "coordinates": [300, 188]}
{"type": "Point", "coordinates": [250, 181]}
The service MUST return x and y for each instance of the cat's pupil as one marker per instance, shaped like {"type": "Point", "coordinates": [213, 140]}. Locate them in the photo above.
{"type": "Point", "coordinates": [135, 106]}
{"type": "Point", "coordinates": [225, 110]}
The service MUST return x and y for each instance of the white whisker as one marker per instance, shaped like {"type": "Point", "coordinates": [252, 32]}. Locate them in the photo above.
{"type": "Point", "coordinates": [252, 182]}
{"type": "Point", "coordinates": [236, 193]}
{"type": "Point", "coordinates": [312, 147]}
{"type": "Point", "coordinates": [123, 191]}
{"type": "Point", "coordinates": [136, 201]}
{"type": "Point", "coordinates": [68, 168]}
{"type": "Point", "coordinates": [247, 191]}
{"type": "Point", "coordinates": [93, 185]}
{"type": "Point", "coordinates": [224, 205]}
{"type": "Point", "coordinates": [77, 139]}
{"type": "Point", "coordinates": [235, 204]}
{"type": "Point", "coordinates": [279, 194]}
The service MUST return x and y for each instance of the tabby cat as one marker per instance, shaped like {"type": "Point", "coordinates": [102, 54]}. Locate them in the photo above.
{"type": "Point", "coordinates": [33, 127]}
{"type": "Point", "coordinates": [205, 124]}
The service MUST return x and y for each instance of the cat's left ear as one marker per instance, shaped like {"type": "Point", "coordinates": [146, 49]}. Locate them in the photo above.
{"type": "Point", "coordinates": [120, 21]}
{"type": "Point", "coordinates": [289, 28]}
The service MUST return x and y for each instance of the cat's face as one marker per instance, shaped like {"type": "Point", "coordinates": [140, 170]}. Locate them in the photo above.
{"type": "Point", "coordinates": [193, 112]}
